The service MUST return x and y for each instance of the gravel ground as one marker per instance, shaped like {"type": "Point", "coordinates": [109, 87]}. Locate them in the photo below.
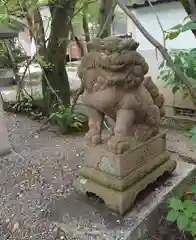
{"type": "Point", "coordinates": [41, 169]}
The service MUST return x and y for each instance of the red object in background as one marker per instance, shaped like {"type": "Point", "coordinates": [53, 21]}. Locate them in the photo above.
{"type": "Point", "coordinates": [74, 50]}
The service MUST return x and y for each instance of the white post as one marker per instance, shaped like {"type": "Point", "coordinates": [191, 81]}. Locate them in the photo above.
{"type": "Point", "coordinates": [4, 142]}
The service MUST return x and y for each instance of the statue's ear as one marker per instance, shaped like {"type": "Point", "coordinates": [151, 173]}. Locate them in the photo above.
{"type": "Point", "coordinates": [136, 45]}
{"type": "Point", "coordinates": [96, 42]}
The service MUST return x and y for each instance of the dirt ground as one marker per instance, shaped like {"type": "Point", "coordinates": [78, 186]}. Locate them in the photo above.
{"type": "Point", "coordinates": [41, 168]}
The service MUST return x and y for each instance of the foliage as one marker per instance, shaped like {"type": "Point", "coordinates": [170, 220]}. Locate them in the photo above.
{"type": "Point", "coordinates": [193, 132]}
{"type": "Point", "coordinates": [65, 118]}
{"type": "Point", "coordinates": [12, 21]}
{"type": "Point", "coordinates": [183, 213]}
{"type": "Point", "coordinates": [185, 59]}
{"type": "Point", "coordinates": [68, 120]}
{"type": "Point", "coordinates": [17, 52]}
{"type": "Point", "coordinates": [175, 31]}
{"type": "Point", "coordinates": [31, 107]}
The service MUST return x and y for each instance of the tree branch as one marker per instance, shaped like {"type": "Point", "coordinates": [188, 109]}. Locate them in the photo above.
{"type": "Point", "coordinates": [160, 47]}
{"type": "Point", "coordinates": [159, 22]}
{"type": "Point", "coordinates": [192, 7]}
{"type": "Point", "coordinates": [108, 20]}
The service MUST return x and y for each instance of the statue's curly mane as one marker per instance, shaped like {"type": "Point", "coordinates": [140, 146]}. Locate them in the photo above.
{"type": "Point", "coordinates": [115, 61]}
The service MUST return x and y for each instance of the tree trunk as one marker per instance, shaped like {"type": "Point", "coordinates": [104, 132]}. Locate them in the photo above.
{"type": "Point", "coordinates": [36, 29]}
{"type": "Point", "coordinates": [85, 25]}
{"type": "Point", "coordinates": [190, 10]}
{"type": "Point", "coordinates": [104, 10]}
{"type": "Point", "coordinates": [56, 78]}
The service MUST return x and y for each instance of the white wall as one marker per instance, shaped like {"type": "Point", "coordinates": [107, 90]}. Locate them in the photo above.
{"type": "Point", "coordinates": [24, 40]}
{"type": "Point", "coordinates": [46, 17]}
{"type": "Point", "coordinates": [170, 14]}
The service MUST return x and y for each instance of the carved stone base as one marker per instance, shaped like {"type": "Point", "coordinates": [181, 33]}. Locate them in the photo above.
{"type": "Point", "coordinates": [122, 201]}
{"type": "Point", "coordinates": [140, 155]}
{"type": "Point", "coordinates": [118, 179]}
{"type": "Point", "coordinates": [122, 183]}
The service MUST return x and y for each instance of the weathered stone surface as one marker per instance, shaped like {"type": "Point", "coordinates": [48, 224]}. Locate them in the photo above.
{"type": "Point", "coordinates": [113, 83]}
{"type": "Point", "coordinates": [4, 143]}
{"type": "Point", "coordinates": [122, 201]}
{"type": "Point", "coordinates": [135, 158]}
{"type": "Point", "coordinates": [82, 218]}
{"type": "Point", "coordinates": [121, 183]}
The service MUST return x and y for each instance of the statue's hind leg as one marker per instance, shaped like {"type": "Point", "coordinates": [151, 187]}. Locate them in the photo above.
{"type": "Point", "coordinates": [151, 126]}
{"type": "Point", "coordinates": [153, 119]}
{"type": "Point", "coordinates": [118, 143]}
{"type": "Point", "coordinates": [95, 123]}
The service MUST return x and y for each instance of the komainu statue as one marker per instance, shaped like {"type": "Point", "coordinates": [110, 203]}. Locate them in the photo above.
{"type": "Point", "coordinates": [114, 82]}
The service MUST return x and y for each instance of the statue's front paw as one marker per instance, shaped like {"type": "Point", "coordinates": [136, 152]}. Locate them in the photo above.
{"type": "Point", "coordinates": [144, 132]}
{"type": "Point", "coordinates": [93, 138]}
{"type": "Point", "coordinates": [118, 144]}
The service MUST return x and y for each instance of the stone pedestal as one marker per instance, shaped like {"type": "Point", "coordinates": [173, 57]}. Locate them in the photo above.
{"type": "Point", "coordinates": [4, 143]}
{"type": "Point", "coordinates": [118, 179]}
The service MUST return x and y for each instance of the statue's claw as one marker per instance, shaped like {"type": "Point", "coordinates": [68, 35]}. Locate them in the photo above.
{"type": "Point", "coordinates": [118, 144]}
{"type": "Point", "coordinates": [93, 138]}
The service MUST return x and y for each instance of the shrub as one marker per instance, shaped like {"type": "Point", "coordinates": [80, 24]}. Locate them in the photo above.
{"type": "Point", "coordinates": [183, 213]}
{"type": "Point", "coordinates": [185, 59]}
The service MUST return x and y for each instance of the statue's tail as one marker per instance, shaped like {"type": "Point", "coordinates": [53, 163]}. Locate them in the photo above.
{"type": "Point", "coordinates": [158, 98]}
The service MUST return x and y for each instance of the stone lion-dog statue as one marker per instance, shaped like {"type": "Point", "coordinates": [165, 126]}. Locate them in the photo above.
{"type": "Point", "coordinates": [114, 83]}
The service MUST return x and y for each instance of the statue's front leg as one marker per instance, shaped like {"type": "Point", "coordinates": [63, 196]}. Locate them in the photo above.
{"type": "Point", "coordinates": [95, 123]}
{"type": "Point", "coordinates": [119, 142]}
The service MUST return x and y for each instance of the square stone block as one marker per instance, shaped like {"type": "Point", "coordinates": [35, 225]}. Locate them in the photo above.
{"type": "Point", "coordinates": [138, 155]}
{"type": "Point", "coordinates": [122, 201]}
{"type": "Point", "coordinates": [122, 183]}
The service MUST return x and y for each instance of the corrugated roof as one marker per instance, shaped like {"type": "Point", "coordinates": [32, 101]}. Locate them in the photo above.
{"type": "Point", "coordinates": [7, 33]}
{"type": "Point", "coordinates": [145, 3]}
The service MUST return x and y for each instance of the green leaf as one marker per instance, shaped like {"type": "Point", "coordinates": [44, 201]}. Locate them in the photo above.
{"type": "Point", "coordinates": [193, 130]}
{"type": "Point", "coordinates": [176, 27]}
{"type": "Point", "coordinates": [193, 188]}
{"type": "Point", "coordinates": [182, 222]}
{"type": "Point", "coordinates": [189, 213]}
{"type": "Point", "coordinates": [193, 51]}
{"type": "Point", "coordinates": [172, 216]}
{"type": "Point", "coordinates": [191, 25]}
{"type": "Point", "coordinates": [132, 1]}
{"type": "Point", "coordinates": [193, 228]}
{"type": "Point", "coordinates": [189, 204]}
{"type": "Point", "coordinates": [175, 89]}
{"type": "Point", "coordinates": [193, 138]}
{"type": "Point", "coordinates": [176, 204]}
{"type": "Point", "coordinates": [172, 35]}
